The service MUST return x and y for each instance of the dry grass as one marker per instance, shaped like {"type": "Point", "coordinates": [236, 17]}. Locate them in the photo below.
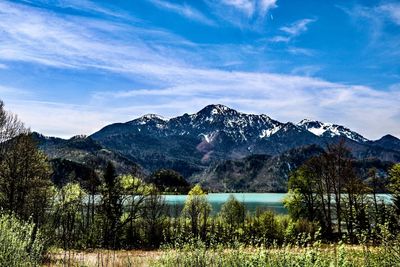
{"type": "Point", "coordinates": [103, 258]}
{"type": "Point", "coordinates": [141, 258]}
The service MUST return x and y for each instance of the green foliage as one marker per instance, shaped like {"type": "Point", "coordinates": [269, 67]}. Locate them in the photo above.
{"type": "Point", "coordinates": [197, 210]}
{"type": "Point", "coordinates": [394, 175]}
{"type": "Point", "coordinates": [24, 179]}
{"type": "Point", "coordinates": [314, 255]}
{"type": "Point", "coordinates": [21, 244]}
{"type": "Point", "coordinates": [68, 223]}
{"type": "Point", "coordinates": [233, 212]}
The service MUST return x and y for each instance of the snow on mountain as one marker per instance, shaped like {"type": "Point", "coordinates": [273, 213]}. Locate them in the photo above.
{"type": "Point", "coordinates": [268, 132]}
{"type": "Point", "coordinates": [330, 130]}
{"type": "Point", "coordinates": [222, 121]}
{"type": "Point", "coordinates": [150, 117]}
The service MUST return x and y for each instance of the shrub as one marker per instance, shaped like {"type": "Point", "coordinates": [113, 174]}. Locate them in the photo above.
{"type": "Point", "coordinates": [20, 243]}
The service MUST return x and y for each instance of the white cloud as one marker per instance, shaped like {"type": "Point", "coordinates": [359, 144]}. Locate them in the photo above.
{"type": "Point", "coordinates": [177, 84]}
{"type": "Point", "coordinates": [297, 27]}
{"type": "Point", "coordinates": [245, 14]}
{"type": "Point", "coordinates": [250, 7]}
{"type": "Point", "coordinates": [3, 66]}
{"type": "Point", "coordinates": [383, 42]}
{"type": "Point", "coordinates": [283, 97]}
{"type": "Point", "coordinates": [11, 91]}
{"type": "Point", "coordinates": [245, 6]}
{"type": "Point", "coordinates": [80, 5]}
{"type": "Point", "coordinates": [184, 10]}
{"type": "Point", "coordinates": [293, 30]}
{"type": "Point", "coordinates": [391, 11]}
{"type": "Point", "coordinates": [266, 5]}
{"type": "Point", "coordinates": [280, 39]}
{"type": "Point", "coordinates": [307, 70]}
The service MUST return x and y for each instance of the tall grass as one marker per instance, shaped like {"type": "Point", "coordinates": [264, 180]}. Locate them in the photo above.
{"type": "Point", "coordinates": [20, 243]}
{"type": "Point", "coordinates": [316, 256]}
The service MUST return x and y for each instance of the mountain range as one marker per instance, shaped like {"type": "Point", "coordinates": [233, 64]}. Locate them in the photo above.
{"type": "Point", "coordinates": [222, 148]}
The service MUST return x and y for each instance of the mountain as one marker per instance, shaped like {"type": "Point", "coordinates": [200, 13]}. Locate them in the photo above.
{"type": "Point", "coordinates": [80, 157]}
{"type": "Point", "coordinates": [388, 142]}
{"type": "Point", "coordinates": [218, 146]}
{"type": "Point", "coordinates": [330, 130]}
{"type": "Point", "coordinates": [263, 173]}
{"type": "Point", "coordinates": [255, 173]}
{"type": "Point", "coordinates": [191, 142]}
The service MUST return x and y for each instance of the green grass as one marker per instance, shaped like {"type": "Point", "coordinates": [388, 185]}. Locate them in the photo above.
{"type": "Point", "coordinates": [196, 255]}
{"type": "Point", "coordinates": [316, 256]}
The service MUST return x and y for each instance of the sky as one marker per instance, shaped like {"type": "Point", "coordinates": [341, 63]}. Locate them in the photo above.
{"type": "Point", "coordinates": [70, 67]}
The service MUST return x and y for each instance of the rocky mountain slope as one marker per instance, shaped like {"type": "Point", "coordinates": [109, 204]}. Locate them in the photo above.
{"type": "Point", "coordinates": [191, 142]}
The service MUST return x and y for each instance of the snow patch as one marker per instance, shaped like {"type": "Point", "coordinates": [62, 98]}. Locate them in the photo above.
{"type": "Point", "coordinates": [268, 132]}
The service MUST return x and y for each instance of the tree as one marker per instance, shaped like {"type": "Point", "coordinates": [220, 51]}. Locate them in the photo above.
{"type": "Point", "coordinates": [197, 209]}
{"type": "Point", "coordinates": [153, 217]}
{"type": "Point", "coordinates": [327, 189]}
{"type": "Point", "coordinates": [111, 207]}
{"type": "Point", "coordinates": [233, 213]}
{"type": "Point", "coordinates": [394, 186]}
{"type": "Point", "coordinates": [68, 214]}
{"type": "Point", "coordinates": [303, 200]}
{"type": "Point", "coordinates": [25, 184]}
{"type": "Point", "coordinates": [134, 192]}
{"type": "Point", "coordinates": [10, 125]}
{"type": "Point", "coordinates": [169, 181]}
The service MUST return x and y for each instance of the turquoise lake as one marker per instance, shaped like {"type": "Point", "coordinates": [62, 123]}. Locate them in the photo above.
{"type": "Point", "coordinates": [252, 201]}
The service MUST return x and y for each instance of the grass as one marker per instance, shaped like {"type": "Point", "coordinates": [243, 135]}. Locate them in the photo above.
{"type": "Point", "coordinates": [316, 256]}
{"type": "Point", "coordinates": [103, 258]}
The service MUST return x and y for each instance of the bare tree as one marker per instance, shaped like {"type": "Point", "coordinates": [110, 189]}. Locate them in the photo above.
{"type": "Point", "coordinates": [10, 125]}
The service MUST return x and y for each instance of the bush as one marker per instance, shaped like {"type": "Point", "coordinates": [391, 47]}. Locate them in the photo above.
{"type": "Point", "coordinates": [20, 243]}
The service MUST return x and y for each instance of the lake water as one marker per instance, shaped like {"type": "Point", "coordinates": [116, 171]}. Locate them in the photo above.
{"type": "Point", "coordinates": [252, 201]}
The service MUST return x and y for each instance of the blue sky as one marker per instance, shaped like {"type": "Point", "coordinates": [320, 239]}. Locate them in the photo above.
{"type": "Point", "coordinates": [70, 67]}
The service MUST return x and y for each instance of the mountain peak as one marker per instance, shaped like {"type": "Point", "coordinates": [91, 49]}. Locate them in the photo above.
{"type": "Point", "coordinates": [307, 121]}
{"type": "Point", "coordinates": [152, 116]}
{"type": "Point", "coordinates": [149, 118]}
{"type": "Point", "coordinates": [389, 137]}
{"type": "Point", "coordinates": [215, 109]}
{"type": "Point", "coordinates": [330, 130]}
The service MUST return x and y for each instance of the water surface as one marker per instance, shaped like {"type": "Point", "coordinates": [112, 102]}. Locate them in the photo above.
{"type": "Point", "coordinates": [252, 201]}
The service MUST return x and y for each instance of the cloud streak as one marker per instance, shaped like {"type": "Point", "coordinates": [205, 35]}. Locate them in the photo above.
{"type": "Point", "coordinates": [245, 14]}
{"type": "Point", "coordinates": [293, 30]}
{"type": "Point", "coordinates": [185, 11]}
{"type": "Point", "coordinates": [391, 10]}
{"type": "Point", "coordinates": [177, 78]}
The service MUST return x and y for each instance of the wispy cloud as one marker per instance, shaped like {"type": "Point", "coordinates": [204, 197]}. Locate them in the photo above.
{"type": "Point", "coordinates": [250, 7]}
{"type": "Point", "coordinates": [3, 66]}
{"type": "Point", "coordinates": [376, 22]}
{"type": "Point", "coordinates": [80, 6]}
{"type": "Point", "coordinates": [307, 70]}
{"type": "Point", "coordinates": [246, 14]}
{"type": "Point", "coordinates": [245, 6]}
{"type": "Point", "coordinates": [297, 27]}
{"type": "Point", "coordinates": [12, 92]}
{"type": "Point", "coordinates": [391, 10]}
{"type": "Point", "coordinates": [175, 81]}
{"type": "Point", "coordinates": [184, 10]}
{"type": "Point", "coordinates": [47, 39]}
{"type": "Point", "coordinates": [293, 30]}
